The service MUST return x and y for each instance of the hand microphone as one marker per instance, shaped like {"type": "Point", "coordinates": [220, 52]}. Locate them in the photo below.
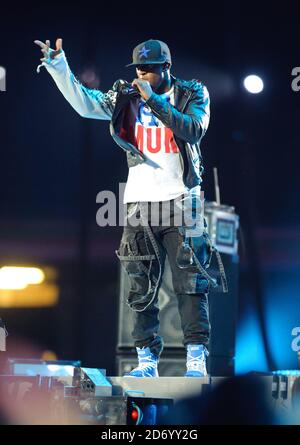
{"type": "Point", "coordinates": [127, 89]}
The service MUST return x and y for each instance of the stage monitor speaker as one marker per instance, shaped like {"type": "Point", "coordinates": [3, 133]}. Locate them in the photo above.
{"type": "Point", "coordinates": [223, 314]}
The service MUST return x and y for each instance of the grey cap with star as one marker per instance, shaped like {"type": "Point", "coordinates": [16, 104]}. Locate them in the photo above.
{"type": "Point", "coordinates": [149, 52]}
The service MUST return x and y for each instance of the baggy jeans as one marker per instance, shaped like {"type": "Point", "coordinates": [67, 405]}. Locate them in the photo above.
{"type": "Point", "coordinates": [142, 253]}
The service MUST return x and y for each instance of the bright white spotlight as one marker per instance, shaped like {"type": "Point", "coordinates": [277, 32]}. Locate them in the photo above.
{"type": "Point", "coordinates": [253, 84]}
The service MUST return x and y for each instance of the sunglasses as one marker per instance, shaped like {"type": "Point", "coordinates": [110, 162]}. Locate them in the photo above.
{"type": "Point", "coordinates": [148, 67]}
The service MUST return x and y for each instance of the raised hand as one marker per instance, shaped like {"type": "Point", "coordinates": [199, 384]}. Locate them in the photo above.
{"type": "Point", "coordinates": [49, 54]}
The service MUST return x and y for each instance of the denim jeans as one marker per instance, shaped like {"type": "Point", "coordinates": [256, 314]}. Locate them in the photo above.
{"type": "Point", "coordinates": [142, 252]}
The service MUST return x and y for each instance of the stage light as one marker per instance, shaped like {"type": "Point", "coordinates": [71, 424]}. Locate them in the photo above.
{"type": "Point", "coordinates": [49, 356]}
{"type": "Point", "coordinates": [28, 287]}
{"type": "Point", "coordinates": [136, 415]}
{"type": "Point", "coordinates": [253, 84]}
{"type": "Point", "coordinates": [20, 277]}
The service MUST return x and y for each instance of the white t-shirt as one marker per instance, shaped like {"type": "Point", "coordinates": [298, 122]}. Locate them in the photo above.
{"type": "Point", "coordinates": [159, 178]}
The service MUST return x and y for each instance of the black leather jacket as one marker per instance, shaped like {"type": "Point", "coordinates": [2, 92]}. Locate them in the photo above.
{"type": "Point", "coordinates": [188, 119]}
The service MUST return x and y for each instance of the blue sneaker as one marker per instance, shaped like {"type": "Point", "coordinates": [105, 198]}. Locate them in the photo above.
{"type": "Point", "coordinates": [196, 361]}
{"type": "Point", "coordinates": [147, 366]}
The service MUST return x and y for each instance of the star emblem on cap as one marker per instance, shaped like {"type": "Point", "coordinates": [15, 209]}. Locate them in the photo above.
{"type": "Point", "coordinates": [144, 52]}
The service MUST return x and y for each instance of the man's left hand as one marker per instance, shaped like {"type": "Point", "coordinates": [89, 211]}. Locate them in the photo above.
{"type": "Point", "coordinates": [144, 88]}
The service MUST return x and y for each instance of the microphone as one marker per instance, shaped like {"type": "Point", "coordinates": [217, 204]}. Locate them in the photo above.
{"type": "Point", "coordinates": [127, 89]}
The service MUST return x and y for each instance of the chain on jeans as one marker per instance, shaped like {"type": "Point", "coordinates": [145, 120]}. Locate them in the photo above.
{"type": "Point", "coordinates": [148, 232]}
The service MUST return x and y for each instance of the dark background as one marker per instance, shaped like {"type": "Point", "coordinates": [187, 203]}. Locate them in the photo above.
{"type": "Point", "coordinates": [53, 163]}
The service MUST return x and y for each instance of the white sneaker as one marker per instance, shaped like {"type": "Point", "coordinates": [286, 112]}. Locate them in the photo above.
{"type": "Point", "coordinates": [147, 366]}
{"type": "Point", "coordinates": [196, 361]}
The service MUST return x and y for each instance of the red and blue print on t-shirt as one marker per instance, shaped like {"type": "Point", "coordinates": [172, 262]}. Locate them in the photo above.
{"type": "Point", "coordinates": [151, 135]}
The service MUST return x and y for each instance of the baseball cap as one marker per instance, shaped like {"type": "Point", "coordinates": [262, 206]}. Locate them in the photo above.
{"type": "Point", "coordinates": [149, 52]}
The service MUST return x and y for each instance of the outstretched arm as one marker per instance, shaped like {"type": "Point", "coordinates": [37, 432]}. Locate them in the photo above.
{"type": "Point", "coordinates": [87, 102]}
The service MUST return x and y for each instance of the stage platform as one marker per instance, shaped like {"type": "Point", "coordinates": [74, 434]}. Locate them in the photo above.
{"type": "Point", "coordinates": [82, 397]}
{"type": "Point", "coordinates": [175, 388]}
{"type": "Point", "coordinates": [280, 394]}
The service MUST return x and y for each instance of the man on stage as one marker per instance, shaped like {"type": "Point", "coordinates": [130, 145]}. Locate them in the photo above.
{"type": "Point", "coordinates": [159, 120]}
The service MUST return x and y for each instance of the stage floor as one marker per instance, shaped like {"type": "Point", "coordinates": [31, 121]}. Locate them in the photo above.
{"type": "Point", "coordinates": [163, 387]}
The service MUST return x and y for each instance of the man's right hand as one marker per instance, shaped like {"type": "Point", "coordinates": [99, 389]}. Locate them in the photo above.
{"type": "Point", "coordinates": [49, 53]}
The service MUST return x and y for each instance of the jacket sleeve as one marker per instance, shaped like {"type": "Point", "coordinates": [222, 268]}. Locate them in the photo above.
{"type": "Point", "coordinates": [189, 126]}
{"type": "Point", "coordinates": [87, 102]}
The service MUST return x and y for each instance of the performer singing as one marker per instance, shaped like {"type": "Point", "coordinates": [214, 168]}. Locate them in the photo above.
{"type": "Point", "coordinates": [159, 120]}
